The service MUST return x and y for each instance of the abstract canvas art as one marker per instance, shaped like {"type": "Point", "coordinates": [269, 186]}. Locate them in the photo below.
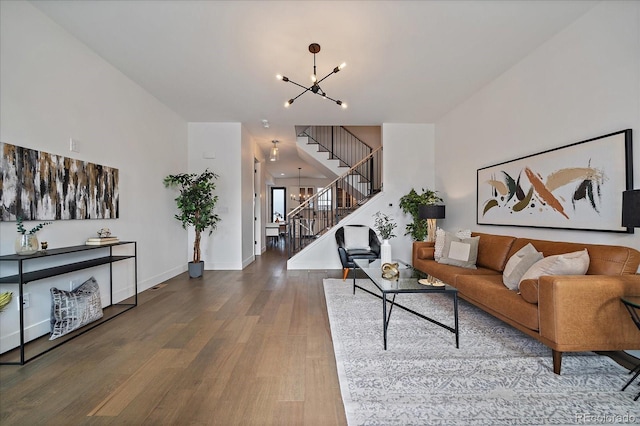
{"type": "Point", "coordinates": [577, 186]}
{"type": "Point", "coordinates": [36, 185]}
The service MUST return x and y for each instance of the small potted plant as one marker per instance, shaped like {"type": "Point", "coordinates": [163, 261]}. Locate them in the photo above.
{"type": "Point", "coordinates": [27, 242]}
{"type": "Point", "coordinates": [196, 203]}
{"type": "Point", "coordinates": [385, 226]}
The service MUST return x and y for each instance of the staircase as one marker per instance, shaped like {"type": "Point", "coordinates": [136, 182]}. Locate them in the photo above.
{"type": "Point", "coordinates": [319, 213]}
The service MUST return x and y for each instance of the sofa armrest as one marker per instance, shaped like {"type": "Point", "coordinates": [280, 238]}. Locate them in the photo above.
{"type": "Point", "coordinates": [584, 312]}
{"type": "Point", "coordinates": [423, 250]}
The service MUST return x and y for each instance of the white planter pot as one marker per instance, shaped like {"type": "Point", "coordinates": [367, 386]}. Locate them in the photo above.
{"type": "Point", "coordinates": [385, 252]}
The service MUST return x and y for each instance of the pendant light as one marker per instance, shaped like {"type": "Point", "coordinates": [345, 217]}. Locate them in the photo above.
{"type": "Point", "coordinates": [274, 154]}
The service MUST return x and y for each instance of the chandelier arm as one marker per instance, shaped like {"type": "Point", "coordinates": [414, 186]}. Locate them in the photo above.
{"type": "Point", "coordinates": [303, 92]}
{"type": "Point", "coordinates": [300, 85]}
{"type": "Point", "coordinates": [325, 77]}
{"type": "Point", "coordinates": [327, 97]}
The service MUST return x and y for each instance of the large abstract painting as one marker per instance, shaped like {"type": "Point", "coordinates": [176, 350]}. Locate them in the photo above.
{"type": "Point", "coordinates": [577, 186]}
{"type": "Point", "coordinates": [36, 185]}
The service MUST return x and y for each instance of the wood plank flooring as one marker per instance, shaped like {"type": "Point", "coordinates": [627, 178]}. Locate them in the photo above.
{"type": "Point", "coordinates": [249, 347]}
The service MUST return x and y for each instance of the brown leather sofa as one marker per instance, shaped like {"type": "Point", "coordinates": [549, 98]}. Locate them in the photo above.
{"type": "Point", "coordinates": [568, 313]}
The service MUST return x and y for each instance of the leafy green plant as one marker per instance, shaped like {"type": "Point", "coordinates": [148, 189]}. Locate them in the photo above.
{"type": "Point", "coordinates": [410, 204]}
{"type": "Point", "coordinates": [196, 203]}
{"type": "Point", "coordinates": [22, 230]}
{"type": "Point", "coordinates": [384, 225]}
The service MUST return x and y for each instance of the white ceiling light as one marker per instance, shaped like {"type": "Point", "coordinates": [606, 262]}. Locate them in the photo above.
{"type": "Point", "coordinates": [265, 124]}
{"type": "Point", "coordinates": [274, 154]}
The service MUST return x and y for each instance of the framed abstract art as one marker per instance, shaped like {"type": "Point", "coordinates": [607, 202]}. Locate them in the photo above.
{"type": "Point", "coordinates": [577, 186]}
{"type": "Point", "coordinates": [36, 185]}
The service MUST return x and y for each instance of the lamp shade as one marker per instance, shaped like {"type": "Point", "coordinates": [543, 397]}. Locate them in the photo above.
{"type": "Point", "coordinates": [431, 212]}
{"type": "Point", "coordinates": [631, 208]}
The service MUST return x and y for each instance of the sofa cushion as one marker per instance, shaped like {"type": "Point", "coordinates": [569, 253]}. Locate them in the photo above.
{"type": "Point", "coordinates": [529, 290]}
{"type": "Point", "coordinates": [493, 250]}
{"type": "Point", "coordinates": [489, 291]}
{"type": "Point", "coordinates": [449, 273]}
{"type": "Point", "coordinates": [518, 264]}
{"type": "Point", "coordinates": [459, 251]}
{"type": "Point", "coordinates": [575, 263]}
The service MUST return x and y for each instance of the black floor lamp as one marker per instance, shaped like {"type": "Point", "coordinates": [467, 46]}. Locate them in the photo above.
{"type": "Point", "coordinates": [631, 208]}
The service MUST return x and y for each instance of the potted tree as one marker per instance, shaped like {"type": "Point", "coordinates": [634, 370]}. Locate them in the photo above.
{"type": "Point", "coordinates": [196, 203]}
{"type": "Point", "coordinates": [410, 204]}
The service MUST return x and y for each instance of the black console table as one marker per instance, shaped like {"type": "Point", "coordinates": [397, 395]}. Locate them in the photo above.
{"type": "Point", "coordinates": [104, 256]}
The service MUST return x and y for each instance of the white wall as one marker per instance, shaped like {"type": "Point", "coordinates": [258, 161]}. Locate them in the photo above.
{"type": "Point", "coordinates": [582, 83]}
{"type": "Point", "coordinates": [54, 88]}
{"type": "Point", "coordinates": [247, 190]}
{"type": "Point", "coordinates": [407, 163]}
{"type": "Point", "coordinates": [223, 249]}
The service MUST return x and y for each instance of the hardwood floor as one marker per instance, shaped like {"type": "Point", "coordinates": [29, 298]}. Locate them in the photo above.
{"type": "Point", "coordinates": [249, 347]}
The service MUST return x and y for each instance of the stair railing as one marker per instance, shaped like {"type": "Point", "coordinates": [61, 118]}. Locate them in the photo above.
{"type": "Point", "coordinates": [320, 212]}
{"type": "Point", "coordinates": [339, 142]}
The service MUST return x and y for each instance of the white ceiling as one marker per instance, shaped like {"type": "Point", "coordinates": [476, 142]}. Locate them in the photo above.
{"type": "Point", "coordinates": [407, 61]}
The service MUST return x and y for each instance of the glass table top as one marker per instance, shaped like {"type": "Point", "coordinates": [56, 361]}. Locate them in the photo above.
{"type": "Point", "coordinates": [407, 281]}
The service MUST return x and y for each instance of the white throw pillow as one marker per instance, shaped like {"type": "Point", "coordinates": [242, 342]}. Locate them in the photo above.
{"type": "Point", "coordinates": [356, 237]}
{"type": "Point", "coordinates": [460, 251]}
{"type": "Point", "coordinates": [575, 263]}
{"type": "Point", "coordinates": [518, 264]}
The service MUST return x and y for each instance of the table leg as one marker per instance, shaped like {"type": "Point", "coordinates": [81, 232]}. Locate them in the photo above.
{"type": "Point", "coordinates": [386, 317]}
{"type": "Point", "coordinates": [455, 313]}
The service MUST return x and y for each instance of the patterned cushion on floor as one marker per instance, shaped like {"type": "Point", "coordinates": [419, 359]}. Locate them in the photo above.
{"type": "Point", "coordinates": [71, 310]}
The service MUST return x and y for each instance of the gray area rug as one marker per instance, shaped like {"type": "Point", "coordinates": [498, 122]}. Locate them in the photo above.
{"type": "Point", "coordinates": [499, 376]}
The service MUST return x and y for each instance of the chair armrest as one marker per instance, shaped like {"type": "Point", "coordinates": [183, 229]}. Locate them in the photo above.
{"type": "Point", "coordinates": [584, 312]}
{"type": "Point", "coordinates": [343, 257]}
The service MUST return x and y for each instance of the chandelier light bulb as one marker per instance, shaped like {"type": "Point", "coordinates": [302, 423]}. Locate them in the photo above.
{"type": "Point", "coordinates": [342, 65]}
{"type": "Point", "coordinates": [278, 76]}
{"type": "Point", "coordinates": [314, 78]}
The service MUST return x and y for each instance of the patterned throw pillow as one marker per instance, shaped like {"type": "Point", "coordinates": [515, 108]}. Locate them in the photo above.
{"type": "Point", "coordinates": [71, 310]}
{"type": "Point", "coordinates": [439, 245]}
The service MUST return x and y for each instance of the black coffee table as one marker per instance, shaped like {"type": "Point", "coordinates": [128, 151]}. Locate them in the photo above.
{"type": "Point", "coordinates": [406, 283]}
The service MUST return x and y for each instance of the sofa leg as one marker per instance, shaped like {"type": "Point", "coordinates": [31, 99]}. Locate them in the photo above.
{"type": "Point", "coordinates": [557, 361]}
{"type": "Point", "coordinates": [345, 272]}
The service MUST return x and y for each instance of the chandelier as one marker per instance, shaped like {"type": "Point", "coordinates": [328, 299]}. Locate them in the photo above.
{"type": "Point", "coordinates": [315, 86]}
{"type": "Point", "coordinates": [274, 152]}
{"type": "Point", "coordinates": [301, 197]}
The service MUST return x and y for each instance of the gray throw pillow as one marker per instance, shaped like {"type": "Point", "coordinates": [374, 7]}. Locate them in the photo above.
{"type": "Point", "coordinates": [518, 264]}
{"type": "Point", "coordinates": [460, 251]}
{"type": "Point", "coordinates": [71, 310]}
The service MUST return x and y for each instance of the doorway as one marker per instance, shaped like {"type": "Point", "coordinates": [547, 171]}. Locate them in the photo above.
{"type": "Point", "coordinates": [278, 204]}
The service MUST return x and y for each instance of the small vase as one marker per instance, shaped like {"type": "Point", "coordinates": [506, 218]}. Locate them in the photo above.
{"type": "Point", "coordinates": [26, 244]}
{"type": "Point", "coordinates": [385, 252]}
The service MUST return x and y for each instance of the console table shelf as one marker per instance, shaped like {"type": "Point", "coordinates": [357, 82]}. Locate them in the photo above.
{"type": "Point", "coordinates": [22, 278]}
